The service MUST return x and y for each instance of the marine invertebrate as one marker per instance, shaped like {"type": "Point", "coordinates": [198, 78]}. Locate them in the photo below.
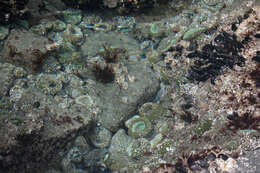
{"type": "Point", "coordinates": [111, 55]}
{"type": "Point", "coordinates": [138, 126]}
{"type": "Point", "coordinates": [104, 75]}
{"type": "Point", "coordinates": [138, 148]}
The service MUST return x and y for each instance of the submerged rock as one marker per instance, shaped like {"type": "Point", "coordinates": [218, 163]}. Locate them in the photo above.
{"type": "Point", "coordinates": [25, 49]}
{"type": "Point", "coordinates": [100, 137]}
{"type": "Point", "coordinates": [95, 42]}
{"type": "Point", "coordinates": [139, 91]}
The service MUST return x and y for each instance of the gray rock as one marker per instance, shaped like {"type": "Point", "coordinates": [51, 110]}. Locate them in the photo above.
{"type": "Point", "coordinates": [100, 137]}
{"type": "Point", "coordinates": [95, 42]}
{"type": "Point", "coordinates": [95, 157]}
{"type": "Point", "coordinates": [6, 78]}
{"type": "Point", "coordinates": [38, 127]}
{"type": "Point", "coordinates": [138, 92]}
{"type": "Point", "coordinates": [23, 48]}
{"type": "Point", "coordinates": [249, 163]}
{"type": "Point", "coordinates": [120, 141]}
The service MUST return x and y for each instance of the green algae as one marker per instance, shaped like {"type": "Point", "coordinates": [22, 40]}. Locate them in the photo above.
{"type": "Point", "coordinates": [203, 126]}
{"type": "Point", "coordinates": [165, 146]}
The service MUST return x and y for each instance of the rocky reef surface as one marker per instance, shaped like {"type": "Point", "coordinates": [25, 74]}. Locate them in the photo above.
{"type": "Point", "coordinates": [173, 86]}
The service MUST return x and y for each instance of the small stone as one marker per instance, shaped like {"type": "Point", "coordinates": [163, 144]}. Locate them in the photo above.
{"type": "Point", "coordinates": [100, 137]}
{"type": "Point", "coordinates": [211, 157]}
{"type": "Point", "coordinates": [73, 34]}
{"type": "Point", "coordinates": [59, 25]}
{"type": "Point", "coordinates": [223, 157]}
{"type": "Point", "coordinates": [203, 163]}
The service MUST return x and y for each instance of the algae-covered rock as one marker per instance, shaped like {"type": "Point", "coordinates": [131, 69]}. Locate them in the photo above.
{"type": "Point", "coordinates": [142, 89]}
{"type": "Point", "coordinates": [138, 148]}
{"type": "Point", "coordinates": [151, 110]}
{"type": "Point", "coordinates": [49, 83]}
{"type": "Point", "coordinates": [203, 126]}
{"type": "Point", "coordinates": [6, 78]}
{"type": "Point", "coordinates": [25, 49]}
{"type": "Point", "coordinates": [120, 141]}
{"type": "Point", "coordinates": [40, 128]}
{"type": "Point", "coordinates": [95, 42]}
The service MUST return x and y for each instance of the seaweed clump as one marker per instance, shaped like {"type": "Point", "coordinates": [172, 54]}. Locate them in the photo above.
{"type": "Point", "coordinates": [104, 75]}
{"type": "Point", "coordinates": [105, 72]}
{"type": "Point", "coordinates": [222, 52]}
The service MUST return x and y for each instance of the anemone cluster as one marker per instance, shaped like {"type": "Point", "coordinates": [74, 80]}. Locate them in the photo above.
{"type": "Point", "coordinates": [222, 52]}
